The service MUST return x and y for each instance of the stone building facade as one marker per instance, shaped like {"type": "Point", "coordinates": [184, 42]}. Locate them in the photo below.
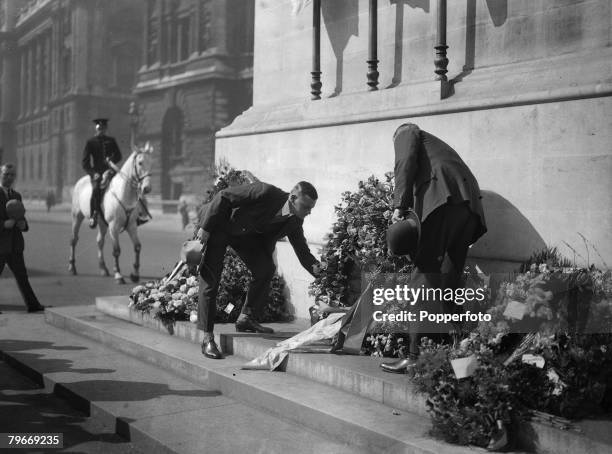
{"type": "Point", "coordinates": [527, 102]}
{"type": "Point", "coordinates": [195, 78]}
{"type": "Point", "coordinates": [63, 63]}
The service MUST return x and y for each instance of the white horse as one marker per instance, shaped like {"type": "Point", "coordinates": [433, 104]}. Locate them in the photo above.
{"type": "Point", "coordinates": [120, 210]}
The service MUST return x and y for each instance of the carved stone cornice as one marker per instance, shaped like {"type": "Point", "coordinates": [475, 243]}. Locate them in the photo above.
{"type": "Point", "coordinates": [31, 8]}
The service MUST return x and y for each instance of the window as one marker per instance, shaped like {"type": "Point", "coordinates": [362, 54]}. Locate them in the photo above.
{"type": "Point", "coordinates": [123, 69]}
{"type": "Point", "coordinates": [184, 38]}
{"type": "Point", "coordinates": [66, 69]}
{"type": "Point", "coordinates": [152, 29]}
{"type": "Point", "coordinates": [30, 166]}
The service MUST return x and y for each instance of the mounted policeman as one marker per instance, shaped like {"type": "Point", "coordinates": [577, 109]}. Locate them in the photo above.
{"type": "Point", "coordinates": [100, 158]}
{"type": "Point", "coordinates": [99, 151]}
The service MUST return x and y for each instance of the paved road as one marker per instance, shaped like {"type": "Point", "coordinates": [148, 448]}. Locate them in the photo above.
{"type": "Point", "coordinates": [47, 251]}
{"type": "Point", "coordinates": [24, 406]}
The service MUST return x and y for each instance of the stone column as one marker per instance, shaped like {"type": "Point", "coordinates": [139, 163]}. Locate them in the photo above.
{"type": "Point", "coordinates": [23, 83]}
{"type": "Point", "coordinates": [145, 35]}
{"type": "Point", "coordinates": [37, 74]}
{"type": "Point", "coordinates": [440, 61]}
{"type": "Point", "coordinates": [373, 47]}
{"type": "Point", "coordinates": [315, 84]}
{"type": "Point", "coordinates": [160, 30]}
{"type": "Point", "coordinates": [31, 87]}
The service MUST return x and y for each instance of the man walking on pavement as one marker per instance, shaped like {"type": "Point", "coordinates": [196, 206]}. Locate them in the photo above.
{"type": "Point", "coordinates": [250, 218]}
{"type": "Point", "coordinates": [12, 224]}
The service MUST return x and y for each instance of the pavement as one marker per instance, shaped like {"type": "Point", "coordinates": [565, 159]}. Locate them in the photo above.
{"type": "Point", "coordinates": [157, 410]}
{"type": "Point", "coordinates": [36, 210]}
{"type": "Point", "coordinates": [27, 407]}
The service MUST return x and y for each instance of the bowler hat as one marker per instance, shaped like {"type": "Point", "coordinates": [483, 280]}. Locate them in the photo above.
{"type": "Point", "coordinates": [403, 236]}
{"type": "Point", "coordinates": [191, 252]}
{"type": "Point", "coordinates": [15, 209]}
{"type": "Point", "coordinates": [101, 121]}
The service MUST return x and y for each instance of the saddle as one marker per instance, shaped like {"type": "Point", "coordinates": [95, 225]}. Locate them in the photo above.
{"type": "Point", "coordinates": [107, 176]}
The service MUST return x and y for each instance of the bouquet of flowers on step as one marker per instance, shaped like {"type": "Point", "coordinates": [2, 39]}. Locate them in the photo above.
{"type": "Point", "coordinates": [175, 297]}
{"type": "Point", "coordinates": [470, 403]}
{"type": "Point", "coordinates": [544, 299]}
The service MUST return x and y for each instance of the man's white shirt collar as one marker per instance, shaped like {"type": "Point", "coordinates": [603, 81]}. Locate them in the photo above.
{"type": "Point", "coordinates": [285, 210]}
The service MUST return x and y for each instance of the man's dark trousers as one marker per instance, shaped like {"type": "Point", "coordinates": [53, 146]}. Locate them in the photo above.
{"type": "Point", "coordinates": [257, 256]}
{"type": "Point", "coordinates": [446, 236]}
{"type": "Point", "coordinates": [16, 264]}
{"type": "Point", "coordinates": [96, 195]}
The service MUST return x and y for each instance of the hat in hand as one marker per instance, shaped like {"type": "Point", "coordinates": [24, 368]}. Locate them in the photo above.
{"type": "Point", "coordinates": [403, 236]}
{"type": "Point", "coordinates": [191, 252]}
{"type": "Point", "coordinates": [15, 209]}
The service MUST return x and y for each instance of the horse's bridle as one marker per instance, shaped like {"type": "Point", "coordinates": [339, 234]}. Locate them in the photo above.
{"type": "Point", "coordinates": [135, 180]}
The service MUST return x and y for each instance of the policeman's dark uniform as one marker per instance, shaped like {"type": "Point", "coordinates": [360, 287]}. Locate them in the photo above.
{"type": "Point", "coordinates": [97, 150]}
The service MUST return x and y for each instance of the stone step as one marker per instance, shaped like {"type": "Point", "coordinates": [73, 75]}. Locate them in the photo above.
{"type": "Point", "coordinates": [156, 410]}
{"type": "Point", "coordinates": [357, 375]}
{"type": "Point", "coordinates": [348, 419]}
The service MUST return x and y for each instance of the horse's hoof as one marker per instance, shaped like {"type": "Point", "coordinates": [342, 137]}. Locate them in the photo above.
{"type": "Point", "coordinates": [104, 273]}
{"type": "Point", "coordinates": [134, 277]}
{"type": "Point", "coordinates": [72, 270]}
{"type": "Point", "coordinates": [120, 281]}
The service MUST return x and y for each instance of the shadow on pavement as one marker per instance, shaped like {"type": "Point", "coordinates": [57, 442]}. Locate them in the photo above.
{"type": "Point", "coordinates": [131, 391]}
{"type": "Point", "coordinates": [24, 407]}
{"type": "Point", "coordinates": [9, 345]}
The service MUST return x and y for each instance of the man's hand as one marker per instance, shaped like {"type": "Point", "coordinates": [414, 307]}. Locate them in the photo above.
{"type": "Point", "coordinates": [97, 176]}
{"type": "Point", "coordinates": [9, 223]}
{"type": "Point", "coordinates": [202, 235]}
{"type": "Point", "coordinates": [398, 215]}
{"type": "Point", "coordinates": [21, 224]}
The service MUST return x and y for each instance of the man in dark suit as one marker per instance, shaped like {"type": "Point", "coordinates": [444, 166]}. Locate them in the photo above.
{"type": "Point", "coordinates": [250, 218]}
{"type": "Point", "coordinates": [99, 150]}
{"type": "Point", "coordinates": [11, 239]}
{"type": "Point", "coordinates": [433, 181]}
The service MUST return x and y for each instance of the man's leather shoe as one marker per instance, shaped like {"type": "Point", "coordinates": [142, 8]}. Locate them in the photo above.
{"type": "Point", "coordinates": [250, 325]}
{"type": "Point", "coordinates": [210, 350]}
{"type": "Point", "coordinates": [93, 222]}
{"type": "Point", "coordinates": [398, 367]}
{"type": "Point", "coordinates": [38, 308]}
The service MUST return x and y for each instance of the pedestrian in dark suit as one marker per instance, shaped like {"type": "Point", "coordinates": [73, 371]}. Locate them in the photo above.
{"type": "Point", "coordinates": [99, 150]}
{"type": "Point", "coordinates": [433, 181]}
{"type": "Point", "coordinates": [251, 219]}
{"type": "Point", "coordinates": [11, 239]}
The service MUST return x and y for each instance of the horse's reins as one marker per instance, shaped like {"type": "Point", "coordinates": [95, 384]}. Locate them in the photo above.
{"type": "Point", "coordinates": [134, 181]}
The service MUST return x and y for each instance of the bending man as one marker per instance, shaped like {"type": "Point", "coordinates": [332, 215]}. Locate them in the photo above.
{"type": "Point", "coordinates": [434, 184]}
{"type": "Point", "coordinates": [250, 218]}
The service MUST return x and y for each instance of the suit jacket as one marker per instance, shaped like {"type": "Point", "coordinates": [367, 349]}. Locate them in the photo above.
{"type": "Point", "coordinates": [251, 210]}
{"type": "Point", "coordinates": [96, 150]}
{"type": "Point", "coordinates": [11, 240]}
{"type": "Point", "coordinates": [429, 174]}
